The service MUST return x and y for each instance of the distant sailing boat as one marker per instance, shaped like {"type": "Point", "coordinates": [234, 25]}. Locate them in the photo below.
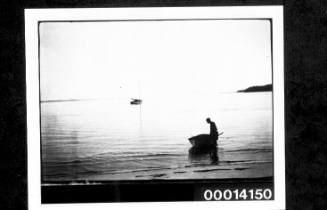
{"type": "Point", "coordinates": [136, 101]}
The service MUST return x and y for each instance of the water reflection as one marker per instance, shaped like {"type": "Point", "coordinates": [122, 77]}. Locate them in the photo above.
{"type": "Point", "coordinates": [98, 139]}
{"type": "Point", "coordinates": [204, 154]}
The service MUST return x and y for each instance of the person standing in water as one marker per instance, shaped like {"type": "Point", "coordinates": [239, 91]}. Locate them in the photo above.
{"type": "Point", "coordinates": [213, 130]}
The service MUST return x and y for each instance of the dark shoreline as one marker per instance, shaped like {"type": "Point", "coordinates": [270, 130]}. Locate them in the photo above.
{"type": "Point", "coordinates": [262, 88]}
{"type": "Point", "coordinates": [160, 181]}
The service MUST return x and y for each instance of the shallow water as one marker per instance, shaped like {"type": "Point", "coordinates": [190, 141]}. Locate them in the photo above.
{"type": "Point", "coordinates": [109, 139]}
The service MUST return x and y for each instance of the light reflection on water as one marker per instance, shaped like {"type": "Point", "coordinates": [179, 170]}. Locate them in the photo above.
{"type": "Point", "coordinates": [111, 139]}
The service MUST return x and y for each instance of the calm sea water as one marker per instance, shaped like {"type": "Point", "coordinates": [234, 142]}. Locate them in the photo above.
{"type": "Point", "coordinates": [109, 139]}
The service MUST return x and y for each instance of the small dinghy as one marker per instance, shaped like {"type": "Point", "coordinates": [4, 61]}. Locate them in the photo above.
{"type": "Point", "coordinates": [203, 140]}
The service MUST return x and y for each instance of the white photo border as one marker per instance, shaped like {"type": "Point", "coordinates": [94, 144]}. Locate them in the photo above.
{"type": "Point", "coordinates": [34, 16]}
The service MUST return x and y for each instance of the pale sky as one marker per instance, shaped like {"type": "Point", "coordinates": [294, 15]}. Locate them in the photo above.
{"type": "Point", "coordinates": [146, 58]}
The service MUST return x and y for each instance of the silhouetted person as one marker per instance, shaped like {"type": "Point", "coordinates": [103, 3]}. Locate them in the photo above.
{"type": "Point", "coordinates": [213, 131]}
{"type": "Point", "coordinates": [214, 156]}
{"type": "Point", "coordinates": [197, 154]}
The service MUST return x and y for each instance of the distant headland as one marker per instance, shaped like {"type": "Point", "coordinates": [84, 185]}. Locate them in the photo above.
{"type": "Point", "coordinates": [263, 88]}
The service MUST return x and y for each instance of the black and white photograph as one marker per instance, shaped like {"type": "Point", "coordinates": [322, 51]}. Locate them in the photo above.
{"type": "Point", "coordinates": [136, 100]}
{"type": "Point", "coordinates": [163, 105]}
{"type": "Point", "coordinates": [157, 99]}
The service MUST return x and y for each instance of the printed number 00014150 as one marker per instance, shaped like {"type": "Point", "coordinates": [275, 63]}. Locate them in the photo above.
{"type": "Point", "coordinates": [237, 194]}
